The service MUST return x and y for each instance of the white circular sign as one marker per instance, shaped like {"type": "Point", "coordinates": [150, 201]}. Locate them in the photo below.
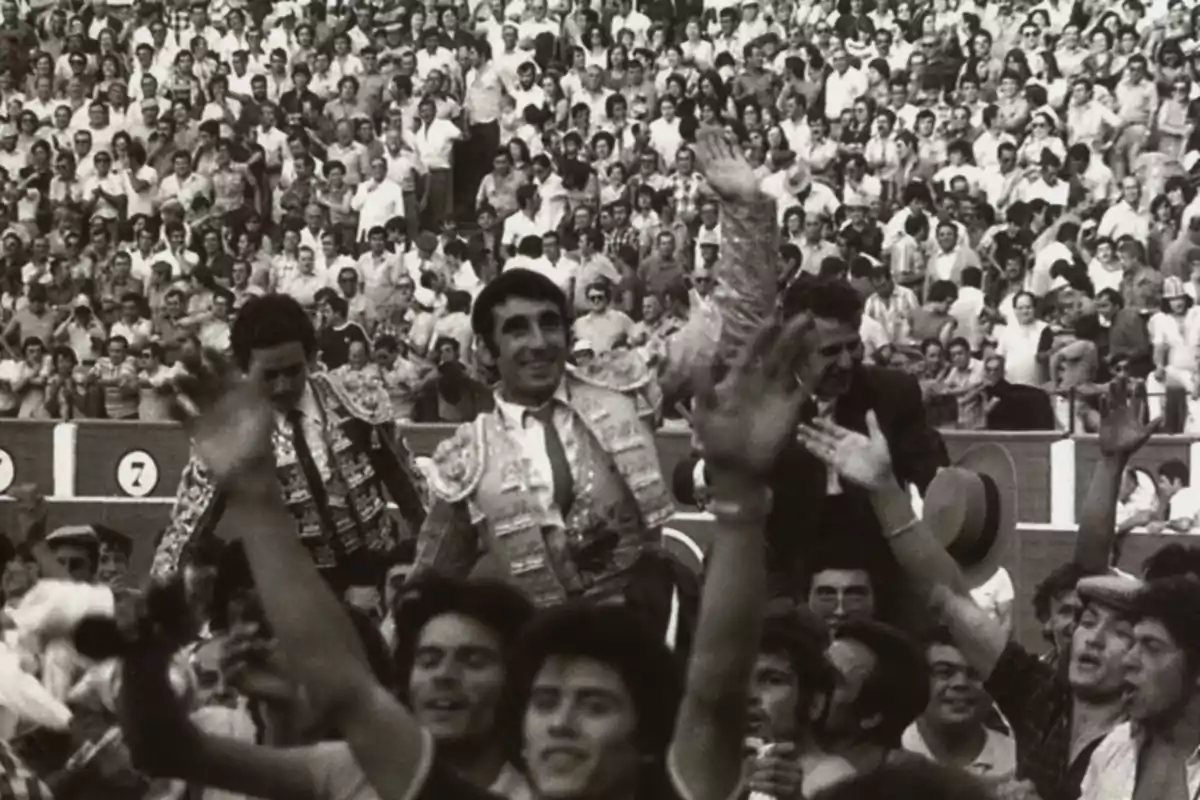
{"type": "Point", "coordinates": [137, 473]}
{"type": "Point", "coordinates": [7, 470]}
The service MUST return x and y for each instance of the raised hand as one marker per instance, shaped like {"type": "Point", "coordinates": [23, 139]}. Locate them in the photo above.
{"type": "Point", "coordinates": [745, 423]}
{"type": "Point", "coordinates": [861, 459]}
{"type": "Point", "coordinates": [232, 435]}
{"type": "Point", "coordinates": [1123, 409]}
{"type": "Point", "coordinates": [725, 167]}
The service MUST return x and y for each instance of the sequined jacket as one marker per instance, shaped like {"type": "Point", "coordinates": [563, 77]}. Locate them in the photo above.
{"type": "Point", "coordinates": [485, 503]}
{"type": "Point", "coordinates": [367, 460]}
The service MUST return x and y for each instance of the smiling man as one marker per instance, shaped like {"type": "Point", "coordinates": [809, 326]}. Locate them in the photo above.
{"type": "Point", "coordinates": [845, 390]}
{"type": "Point", "coordinates": [560, 484]}
{"type": "Point", "coordinates": [952, 730]}
{"type": "Point", "coordinates": [337, 455]}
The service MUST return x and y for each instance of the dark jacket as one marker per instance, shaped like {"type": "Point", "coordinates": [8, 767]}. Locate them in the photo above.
{"type": "Point", "coordinates": [807, 524]}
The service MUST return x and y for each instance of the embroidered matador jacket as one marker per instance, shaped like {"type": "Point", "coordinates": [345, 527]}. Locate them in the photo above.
{"type": "Point", "coordinates": [363, 463]}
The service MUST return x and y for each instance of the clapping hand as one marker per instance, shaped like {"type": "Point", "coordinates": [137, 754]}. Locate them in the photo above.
{"type": "Point", "coordinates": [1122, 411]}
{"type": "Point", "coordinates": [861, 459]}
{"type": "Point", "coordinates": [745, 422]}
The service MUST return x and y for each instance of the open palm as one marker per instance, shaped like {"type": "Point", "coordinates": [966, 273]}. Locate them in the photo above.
{"type": "Point", "coordinates": [725, 167]}
{"type": "Point", "coordinates": [1123, 429]}
{"type": "Point", "coordinates": [861, 459]}
{"type": "Point", "coordinates": [745, 423]}
{"type": "Point", "coordinates": [232, 435]}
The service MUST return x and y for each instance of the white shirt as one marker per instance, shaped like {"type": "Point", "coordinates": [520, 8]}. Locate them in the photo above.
{"type": "Point", "coordinates": [376, 203]}
{"type": "Point", "coordinates": [1185, 504]}
{"type": "Point", "coordinates": [1018, 344]}
{"type": "Point", "coordinates": [842, 90]}
{"type": "Point", "coordinates": [996, 761]}
{"type": "Point", "coordinates": [518, 226]}
{"type": "Point", "coordinates": [994, 592]}
{"type": "Point", "coordinates": [561, 275]}
{"type": "Point", "coordinates": [142, 202]}
{"type": "Point", "coordinates": [530, 437]}
{"type": "Point", "coordinates": [1123, 220]}
{"type": "Point", "coordinates": [434, 143]}
{"type": "Point", "coordinates": [1112, 772]}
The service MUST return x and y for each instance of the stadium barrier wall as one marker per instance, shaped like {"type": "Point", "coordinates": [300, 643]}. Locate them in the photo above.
{"type": "Point", "coordinates": [124, 475]}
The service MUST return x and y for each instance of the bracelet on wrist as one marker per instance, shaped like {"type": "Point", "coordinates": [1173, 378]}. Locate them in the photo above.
{"type": "Point", "coordinates": [903, 529]}
{"type": "Point", "coordinates": [751, 507]}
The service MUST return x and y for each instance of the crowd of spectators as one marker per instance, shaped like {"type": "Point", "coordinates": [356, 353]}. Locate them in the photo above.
{"type": "Point", "coordinates": [1011, 186]}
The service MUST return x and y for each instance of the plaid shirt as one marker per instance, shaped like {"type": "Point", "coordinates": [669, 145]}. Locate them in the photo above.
{"type": "Point", "coordinates": [617, 238]}
{"type": "Point", "coordinates": [687, 190]}
{"type": "Point", "coordinates": [17, 781]}
{"type": "Point", "coordinates": [1037, 703]}
{"type": "Point", "coordinates": [179, 20]}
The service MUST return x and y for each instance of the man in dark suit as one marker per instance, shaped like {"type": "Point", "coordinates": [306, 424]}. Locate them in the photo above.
{"type": "Point", "coordinates": [813, 512]}
{"type": "Point", "coordinates": [811, 507]}
{"type": "Point", "coordinates": [810, 503]}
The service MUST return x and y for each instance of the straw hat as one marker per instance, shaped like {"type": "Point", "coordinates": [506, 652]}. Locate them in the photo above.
{"type": "Point", "coordinates": [971, 507]}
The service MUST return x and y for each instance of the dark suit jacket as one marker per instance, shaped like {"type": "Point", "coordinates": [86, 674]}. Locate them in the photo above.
{"type": "Point", "coordinates": [809, 525]}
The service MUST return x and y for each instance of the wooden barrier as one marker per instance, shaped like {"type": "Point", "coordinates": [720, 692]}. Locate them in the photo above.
{"type": "Point", "coordinates": [26, 453]}
{"type": "Point", "coordinates": [1031, 454]}
{"type": "Point", "coordinates": [1155, 452]}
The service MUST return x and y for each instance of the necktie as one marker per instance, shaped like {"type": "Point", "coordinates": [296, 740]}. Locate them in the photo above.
{"type": "Point", "coordinates": [560, 468]}
{"type": "Point", "coordinates": [308, 465]}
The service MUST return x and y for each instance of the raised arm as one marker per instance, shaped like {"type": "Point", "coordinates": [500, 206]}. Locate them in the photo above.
{"type": "Point", "coordinates": [1122, 433]}
{"type": "Point", "coordinates": [934, 574]}
{"type": "Point", "coordinates": [321, 647]}
{"type": "Point", "coordinates": [747, 275]}
{"type": "Point", "coordinates": [743, 434]}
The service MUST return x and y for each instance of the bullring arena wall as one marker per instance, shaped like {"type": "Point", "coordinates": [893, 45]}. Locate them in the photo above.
{"type": "Point", "coordinates": [124, 475]}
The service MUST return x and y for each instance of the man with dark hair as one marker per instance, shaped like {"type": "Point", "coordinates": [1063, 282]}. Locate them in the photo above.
{"type": "Point", "coordinates": [560, 485]}
{"type": "Point", "coordinates": [846, 390]}
{"type": "Point", "coordinates": [790, 691]}
{"type": "Point", "coordinates": [337, 331]}
{"type": "Point", "coordinates": [1152, 755]}
{"type": "Point", "coordinates": [843, 585]}
{"type": "Point", "coordinates": [1180, 503]}
{"type": "Point", "coordinates": [454, 642]}
{"type": "Point", "coordinates": [953, 730]}
{"type": "Point", "coordinates": [883, 686]}
{"type": "Point", "coordinates": [338, 457]}
{"type": "Point", "coordinates": [1056, 606]}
